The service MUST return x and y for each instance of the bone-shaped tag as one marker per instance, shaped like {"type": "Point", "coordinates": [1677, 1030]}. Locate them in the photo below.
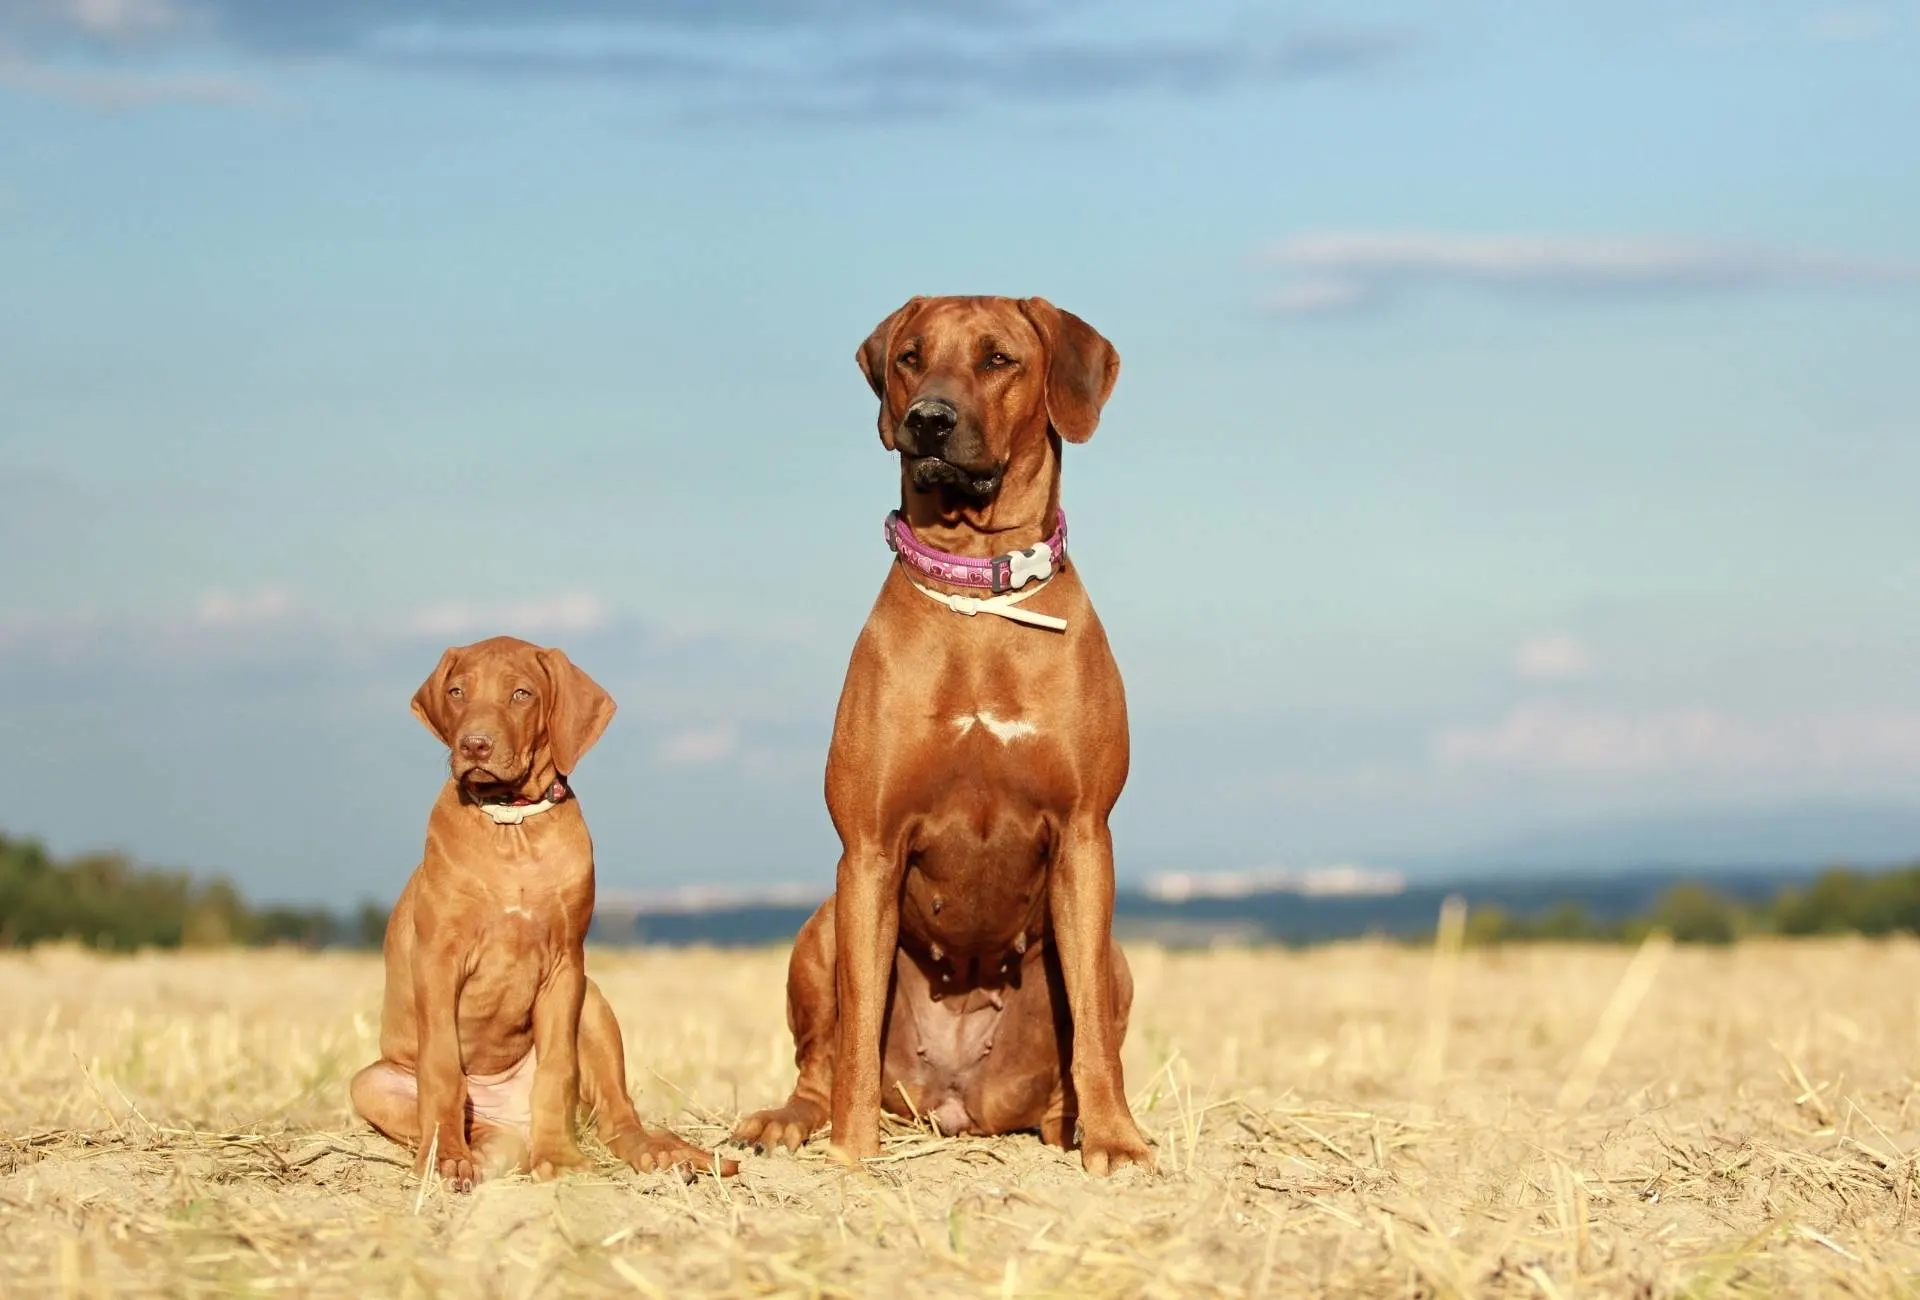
{"type": "Point", "coordinates": [1034, 562]}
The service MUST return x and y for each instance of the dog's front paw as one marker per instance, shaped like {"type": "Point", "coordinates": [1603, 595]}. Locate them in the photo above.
{"type": "Point", "coordinates": [786, 1126]}
{"type": "Point", "coordinates": [1103, 1154]}
{"type": "Point", "coordinates": [658, 1150]}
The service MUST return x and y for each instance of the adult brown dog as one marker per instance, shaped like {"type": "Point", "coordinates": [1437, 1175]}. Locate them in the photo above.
{"type": "Point", "coordinates": [491, 1032]}
{"type": "Point", "coordinates": [965, 969]}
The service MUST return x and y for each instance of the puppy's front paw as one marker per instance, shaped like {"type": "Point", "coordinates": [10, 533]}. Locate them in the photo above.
{"type": "Point", "coordinates": [549, 1160]}
{"type": "Point", "coordinates": [658, 1150]}
{"type": "Point", "coordinates": [456, 1167]}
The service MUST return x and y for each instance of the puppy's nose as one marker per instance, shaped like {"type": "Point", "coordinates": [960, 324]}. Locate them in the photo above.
{"type": "Point", "coordinates": [932, 418]}
{"type": "Point", "coordinates": [476, 746]}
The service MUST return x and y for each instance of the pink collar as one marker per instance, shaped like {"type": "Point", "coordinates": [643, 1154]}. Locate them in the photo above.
{"type": "Point", "coordinates": [1002, 573]}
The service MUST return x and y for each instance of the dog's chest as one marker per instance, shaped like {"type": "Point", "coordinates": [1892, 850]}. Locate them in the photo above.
{"type": "Point", "coordinates": [519, 935]}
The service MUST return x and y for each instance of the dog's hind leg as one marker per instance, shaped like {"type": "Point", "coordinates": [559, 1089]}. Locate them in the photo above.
{"type": "Point", "coordinates": [813, 1020]}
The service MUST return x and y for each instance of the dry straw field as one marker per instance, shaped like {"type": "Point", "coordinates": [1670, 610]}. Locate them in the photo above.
{"type": "Point", "coordinates": [1355, 1120]}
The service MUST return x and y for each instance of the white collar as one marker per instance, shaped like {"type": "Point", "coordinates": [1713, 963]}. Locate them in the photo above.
{"type": "Point", "coordinates": [512, 814]}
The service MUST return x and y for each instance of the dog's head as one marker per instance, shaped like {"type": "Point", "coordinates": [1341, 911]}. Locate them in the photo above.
{"type": "Point", "coordinates": [509, 710]}
{"type": "Point", "coordinates": [970, 386]}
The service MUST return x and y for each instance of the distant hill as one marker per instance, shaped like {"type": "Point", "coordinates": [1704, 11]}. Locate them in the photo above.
{"type": "Point", "coordinates": [1263, 916]}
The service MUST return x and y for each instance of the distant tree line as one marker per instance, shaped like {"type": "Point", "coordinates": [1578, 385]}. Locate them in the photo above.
{"type": "Point", "coordinates": [1837, 901]}
{"type": "Point", "coordinates": [105, 901]}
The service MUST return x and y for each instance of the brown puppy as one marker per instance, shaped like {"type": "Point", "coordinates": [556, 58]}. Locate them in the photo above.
{"type": "Point", "coordinates": [965, 968]}
{"type": "Point", "coordinates": [491, 1032]}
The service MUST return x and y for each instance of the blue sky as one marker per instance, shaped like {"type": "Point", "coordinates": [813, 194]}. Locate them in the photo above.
{"type": "Point", "coordinates": [1517, 425]}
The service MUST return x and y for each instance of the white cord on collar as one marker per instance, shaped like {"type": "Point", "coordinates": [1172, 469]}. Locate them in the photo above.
{"type": "Point", "coordinates": [512, 814]}
{"type": "Point", "coordinates": [1002, 605]}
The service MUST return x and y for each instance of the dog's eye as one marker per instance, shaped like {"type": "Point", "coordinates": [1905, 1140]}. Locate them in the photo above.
{"type": "Point", "coordinates": [999, 361]}
{"type": "Point", "coordinates": [522, 695]}
{"type": "Point", "coordinates": [455, 693]}
{"type": "Point", "coordinates": [910, 358]}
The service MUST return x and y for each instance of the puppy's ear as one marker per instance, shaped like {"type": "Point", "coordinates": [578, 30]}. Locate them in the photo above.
{"type": "Point", "coordinates": [1081, 369]}
{"type": "Point", "coordinates": [875, 359]}
{"type": "Point", "coordinates": [430, 701]}
{"type": "Point", "coordinates": [578, 710]}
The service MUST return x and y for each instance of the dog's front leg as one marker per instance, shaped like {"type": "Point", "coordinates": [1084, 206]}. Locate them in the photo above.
{"type": "Point", "coordinates": [552, 1148]}
{"type": "Point", "coordinates": [438, 974]}
{"type": "Point", "coordinates": [866, 923]}
{"type": "Point", "coordinates": [1081, 896]}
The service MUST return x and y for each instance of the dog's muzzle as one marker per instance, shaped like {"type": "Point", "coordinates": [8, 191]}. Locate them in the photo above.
{"type": "Point", "coordinates": [930, 422]}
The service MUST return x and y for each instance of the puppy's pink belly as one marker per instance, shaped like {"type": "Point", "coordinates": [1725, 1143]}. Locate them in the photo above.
{"type": "Point", "coordinates": [506, 1098]}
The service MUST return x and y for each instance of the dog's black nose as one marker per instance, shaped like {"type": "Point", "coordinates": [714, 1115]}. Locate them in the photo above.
{"type": "Point", "coordinates": [476, 746]}
{"type": "Point", "coordinates": [931, 418]}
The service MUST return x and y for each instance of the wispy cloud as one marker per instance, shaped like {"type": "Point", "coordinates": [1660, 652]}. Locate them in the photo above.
{"type": "Point", "coordinates": [569, 611]}
{"type": "Point", "coordinates": [121, 88]}
{"type": "Point", "coordinates": [272, 620]}
{"type": "Point", "coordinates": [1551, 737]}
{"type": "Point", "coordinates": [752, 701]}
{"type": "Point", "coordinates": [790, 60]}
{"type": "Point", "coordinates": [892, 76]}
{"type": "Point", "coordinates": [1334, 271]}
{"type": "Point", "coordinates": [117, 19]}
{"type": "Point", "coordinates": [270, 604]}
{"type": "Point", "coordinates": [1854, 23]}
{"type": "Point", "coordinates": [699, 746]}
{"type": "Point", "coordinates": [1556, 657]}
{"type": "Point", "coordinates": [345, 26]}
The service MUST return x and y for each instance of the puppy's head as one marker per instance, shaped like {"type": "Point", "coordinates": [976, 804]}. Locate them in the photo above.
{"type": "Point", "coordinates": [968, 386]}
{"type": "Point", "coordinates": [507, 709]}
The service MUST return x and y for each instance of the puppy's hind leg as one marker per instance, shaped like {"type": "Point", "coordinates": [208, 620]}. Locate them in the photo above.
{"type": "Point", "coordinates": [603, 1086]}
{"type": "Point", "coordinates": [387, 1096]}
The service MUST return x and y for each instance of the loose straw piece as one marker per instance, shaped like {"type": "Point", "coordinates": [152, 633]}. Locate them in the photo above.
{"type": "Point", "coordinates": [427, 1173]}
{"type": "Point", "coordinates": [1448, 936]}
{"type": "Point", "coordinates": [1627, 995]}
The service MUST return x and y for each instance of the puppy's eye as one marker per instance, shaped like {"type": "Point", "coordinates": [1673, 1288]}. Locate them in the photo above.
{"type": "Point", "coordinates": [455, 693]}
{"type": "Point", "coordinates": [999, 361]}
{"type": "Point", "coordinates": [910, 358]}
{"type": "Point", "coordinates": [522, 695]}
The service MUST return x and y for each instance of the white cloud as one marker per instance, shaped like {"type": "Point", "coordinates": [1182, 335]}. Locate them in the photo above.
{"type": "Point", "coordinates": [272, 615]}
{"type": "Point", "coordinates": [92, 88]}
{"type": "Point", "coordinates": [1553, 658]}
{"type": "Point", "coordinates": [267, 605]}
{"type": "Point", "coordinates": [572, 611]}
{"type": "Point", "coordinates": [1853, 22]}
{"type": "Point", "coordinates": [1335, 270]}
{"type": "Point", "coordinates": [121, 17]}
{"type": "Point", "coordinates": [1304, 297]}
{"type": "Point", "coordinates": [1552, 737]}
{"type": "Point", "coordinates": [700, 746]}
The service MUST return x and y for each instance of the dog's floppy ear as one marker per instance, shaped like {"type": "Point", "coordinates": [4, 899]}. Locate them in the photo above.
{"type": "Point", "coordinates": [875, 359]}
{"type": "Point", "coordinates": [578, 710]}
{"type": "Point", "coordinates": [430, 701]}
{"type": "Point", "coordinates": [1081, 369]}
